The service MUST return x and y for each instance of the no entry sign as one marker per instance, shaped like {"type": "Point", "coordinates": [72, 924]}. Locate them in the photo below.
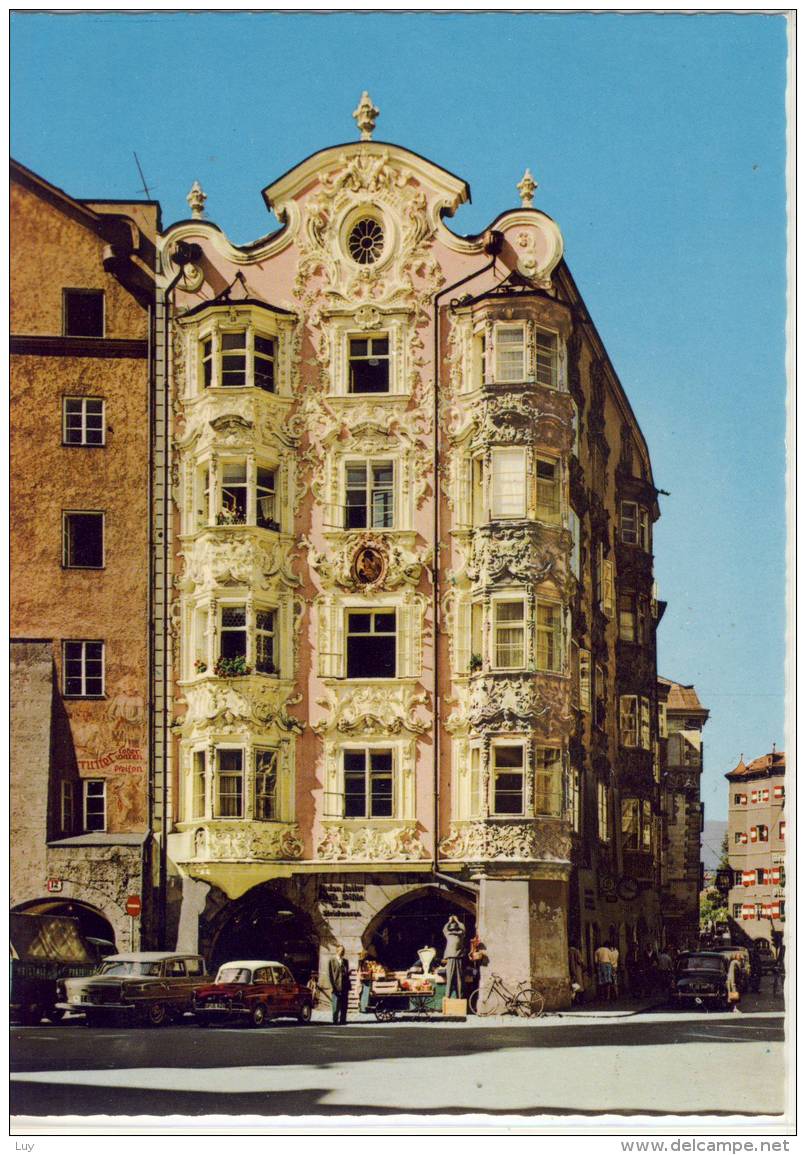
{"type": "Point", "coordinates": [133, 905]}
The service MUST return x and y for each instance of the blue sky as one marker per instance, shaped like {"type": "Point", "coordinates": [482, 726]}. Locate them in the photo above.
{"type": "Point", "coordinates": [659, 145]}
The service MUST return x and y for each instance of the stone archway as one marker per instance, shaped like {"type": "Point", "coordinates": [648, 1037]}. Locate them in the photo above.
{"type": "Point", "coordinates": [414, 920]}
{"type": "Point", "coordinates": [264, 923]}
{"type": "Point", "coordinates": [92, 922]}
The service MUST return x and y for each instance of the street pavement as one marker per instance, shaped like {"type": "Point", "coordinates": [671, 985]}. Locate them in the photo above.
{"type": "Point", "coordinates": [633, 1061]}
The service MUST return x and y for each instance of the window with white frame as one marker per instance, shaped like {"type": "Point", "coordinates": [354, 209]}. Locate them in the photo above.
{"type": "Point", "coordinates": [508, 776]}
{"type": "Point", "coordinates": [603, 823]}
{"type": "Point", "coordinates": [83, 421]}
{"type": "Point", "coordinates": [67, 815]}
{"type": "Point", "coordinates": [237, 359]}
{"type": "Point", "coordinates": [546, 358]}
{"type": "Point", "coordinates": [549, 490]}
{"type": "Point", "coordinates": [635, 714]}
{"type": "Point", "coordinates": [197, 785]}
{"type": "Point", "coordinates": [510, 354]}
{"type": "Point", "coordinates": [266, 512]}
{"type": "Point", "coordinates": [585, 680]}
{"type": "Point", "coordinates": [548, 781]}
{"type": "Point", "coordinates": [508, 483]}
{"type": "Point", "coordinates": [368, 783]}
{"type": "Point", "coordinates": [369, 495]}
{"type": "Point", "coordinates": [549, 636]}
{"type": "Point", "coordinates": [368, 364]}
{"type": "Point", "coordinates": [371, 643]}
{"type": "Point", "coordinates": [231, 638]}
{"type": "Point", "coordinates": [509, 634]}
{"type": "Point", "coordinates": [82, 539]}
{"type": "Point", "coordinates": [246, 494]}
{"type": "Point", "coordinates": [635, 525]}
{"type": "Point", "coordinates": [266, 809]}
{"type": "Point", "coordinates": [94, 804]}
{"type": "Point", "coordinates": [229, 783]}
{"type": "Point", "coordinates": [83, 669]}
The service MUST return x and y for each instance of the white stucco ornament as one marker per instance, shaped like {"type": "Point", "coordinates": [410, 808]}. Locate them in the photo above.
{"type": "Point", "coordinates": [527, 187]}
{"type": "Point", "coordinates": [365, 116]}
{"type": "Point", "coordinates": [196, 198]}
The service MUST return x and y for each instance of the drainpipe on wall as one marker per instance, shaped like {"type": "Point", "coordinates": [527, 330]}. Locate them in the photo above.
{"type": "Point", "coordinates": [492, 245]}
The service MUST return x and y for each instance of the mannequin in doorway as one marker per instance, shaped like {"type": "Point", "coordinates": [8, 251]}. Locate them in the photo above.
{"type": "Point", "coordinates": [454, 932]}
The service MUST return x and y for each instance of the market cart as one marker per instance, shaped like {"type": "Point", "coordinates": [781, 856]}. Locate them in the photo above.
{"type": "Point", "coordinates": [389, 1000]}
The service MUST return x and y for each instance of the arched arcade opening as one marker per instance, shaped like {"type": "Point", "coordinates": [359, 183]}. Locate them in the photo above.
{"type": "Point", "coordinates": [93, 926]}
{"type": "Point", "coordinates": [264, 924]}
{"type": "Point", "coordinates": [416, 920]}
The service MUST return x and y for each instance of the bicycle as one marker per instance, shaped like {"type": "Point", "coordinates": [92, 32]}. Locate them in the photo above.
{"type": "Point", "coordinates": [525, 1001]}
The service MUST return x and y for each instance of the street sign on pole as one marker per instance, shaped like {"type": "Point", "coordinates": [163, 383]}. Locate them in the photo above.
{"type": "Point", "coordinates": [133, 905]}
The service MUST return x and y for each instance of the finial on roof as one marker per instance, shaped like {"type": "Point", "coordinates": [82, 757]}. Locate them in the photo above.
{"type": "Point", "coordinates": [365, 116]}
{"type": "Point", "coordinates": [527, 188]}
{"type": "Point", "coordinates": [196, 198]}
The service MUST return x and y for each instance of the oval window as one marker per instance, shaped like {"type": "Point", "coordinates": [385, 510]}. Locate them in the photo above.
{"type": "Point", "coordinates": [365, 241]}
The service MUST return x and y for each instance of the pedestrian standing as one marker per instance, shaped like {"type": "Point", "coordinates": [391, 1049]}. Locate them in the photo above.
{"type": "Point", "coordinates": [604, 972]}
{"type": "Point", "coordinates": [649, 969]}
{"type": "Point", "coordinates": [665, 971]}
{"type": "Point", "coordinates": [365, 979]}
{"type": "Point", "coordinates": [338, 970]}
{"type": "Point", "coordinates": [454, 932]}
{"type": "Point", "coordinates": [733, 983]}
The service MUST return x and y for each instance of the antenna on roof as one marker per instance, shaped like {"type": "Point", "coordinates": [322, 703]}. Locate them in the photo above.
{"type": "Point", "coordinates": [773, 747]}
{"type": "Point", "coordinates": [142, 178]}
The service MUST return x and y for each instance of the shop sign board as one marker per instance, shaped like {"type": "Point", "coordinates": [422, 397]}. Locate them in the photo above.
{"type": "Point", "coordinates": [341, 899]}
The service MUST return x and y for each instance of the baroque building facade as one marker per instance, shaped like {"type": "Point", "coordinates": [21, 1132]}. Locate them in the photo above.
{"type": "Point", "coordinates": [82, 280]}
{"type": "Point", "coordinates": [403, 531]}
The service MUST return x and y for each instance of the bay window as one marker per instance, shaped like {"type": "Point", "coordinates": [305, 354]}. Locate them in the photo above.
{"type": "Point", "coordinates": [233, 493]}
{"type": "Point", "coordinates": [229, 783]}
{"type": "Point", "coordinates": [368, 783]}
{"type": "Point", "coordinates": [198, 805]}
{"type": "Point", "coordinates": [474, 801]}
{"type": "Point", "coordinates": [266, 498]}
{"type": "Point", "coordinates": [546, 358]}
{"type": "Point", "coordinates": [245, 494]}
{"type": "Point", "coordinates": [549, 504]}
{"type": "Point", "coordinates": [507, 775]}
{"type": "Point", "coordinates": [510, 354]}
{"type": "Point", "coordinates": [549, 637]}
{"type": "Point", "coordinates": [369, 495]}
{"type": "Point", "coordinates": [635, 525]}
{"type": "Point", "coordinates": [635, 714]}
{"type": "Point", "coordinates": [264, 642]}
{"type": "Point", "coordinates": [509, 634]}
{"type": "Point", "coordinates": [636, 824]}
{"type": "Point", "coordinates": [548, 781]}
{"type": "Point", "coordinates": [265, 785]}
{"type": "Point", "coordinates": [237, 359]}
{"type": "Point", "coordinates": [508, 483]}
{"type": "Point", "coordinates": [584, 675]}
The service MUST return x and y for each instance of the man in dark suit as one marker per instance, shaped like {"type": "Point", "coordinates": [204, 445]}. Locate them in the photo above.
{"type": "Point", "coordinates": [338, 970]}
{"type": "Point", "coordinates": [454, 932]}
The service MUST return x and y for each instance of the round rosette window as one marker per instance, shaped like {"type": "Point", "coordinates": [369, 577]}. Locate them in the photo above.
{"type": "Point", "coordinates": [365, 241]}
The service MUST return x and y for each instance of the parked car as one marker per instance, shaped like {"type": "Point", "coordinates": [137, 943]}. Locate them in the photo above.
{"type": "Point", "coordinates": [148, 987]}
{"type": "Point", "coordinates": [252, 991]}
{"type": "Point", "coordinates": [45, 948]}
{"type": "Point", "coordinates": [701, 979]}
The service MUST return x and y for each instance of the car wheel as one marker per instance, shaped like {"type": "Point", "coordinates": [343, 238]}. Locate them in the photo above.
{"type": "Point", "coordinates": [304, 1015]}
{"type": "Point", "coordinates": [155, 1014]}
{"type": "Point", "coordinates": [55, 1014]}
{"type": "Point", "coordinates": [31, 1015]}
{"type": "Point", "coordinates": [258, 1016]}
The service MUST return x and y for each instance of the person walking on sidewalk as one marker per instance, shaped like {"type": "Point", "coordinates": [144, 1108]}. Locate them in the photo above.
{"type": "Point", "coordinates": [604, 973]}
{"type": "Point", "coordinates": [338, 970]}
{"type": "Point", "coordinates": [576, 969]}
{"type": "Point", "coordinates": [614, 963]}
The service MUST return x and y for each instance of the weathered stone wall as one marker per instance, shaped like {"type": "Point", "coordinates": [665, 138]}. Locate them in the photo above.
{"type": "Point", "coordinates": [31, 686]}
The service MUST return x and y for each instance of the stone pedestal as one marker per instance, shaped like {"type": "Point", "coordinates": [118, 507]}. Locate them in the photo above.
{"type": "Point", "coordinates": [523, 923]}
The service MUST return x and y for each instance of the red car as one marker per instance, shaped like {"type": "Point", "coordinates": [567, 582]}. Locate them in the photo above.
{"type": "Point", "coordinates": [251, 991]}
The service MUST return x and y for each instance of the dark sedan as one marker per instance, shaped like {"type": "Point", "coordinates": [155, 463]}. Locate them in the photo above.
{"type": "Point", "coordinates": [701, 980]}
{"type": "Point", "coordinates": [251, 992]}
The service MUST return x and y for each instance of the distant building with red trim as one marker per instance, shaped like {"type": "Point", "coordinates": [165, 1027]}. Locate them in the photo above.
{"type": "Point", "coordinates": [757, 844]}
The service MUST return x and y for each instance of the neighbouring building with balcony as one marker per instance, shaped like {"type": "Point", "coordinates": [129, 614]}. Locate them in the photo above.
{"type": "Point", "coordinates": [404, 511]}
{"type": "Point", "coordinates": [757, 845]}
{"type": "Point", "coordinates": [82, 294]}
{"type": "Point", "coordinates": [681, 721]}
